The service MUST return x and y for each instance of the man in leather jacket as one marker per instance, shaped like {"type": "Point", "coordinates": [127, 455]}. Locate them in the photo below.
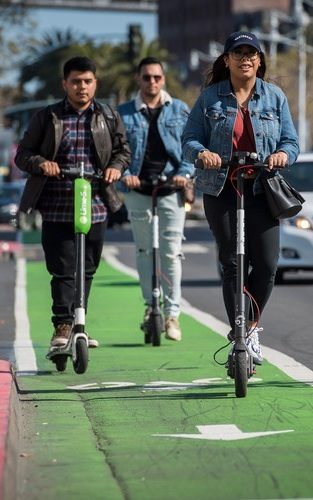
{"type": "Point", "coordinates": [74, 130]}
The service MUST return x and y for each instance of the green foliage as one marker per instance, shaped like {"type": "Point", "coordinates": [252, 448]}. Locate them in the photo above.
{"type": "Point", "coordinates": [115, 67]}
{"type": "Point", "coordinates": [15, 29]}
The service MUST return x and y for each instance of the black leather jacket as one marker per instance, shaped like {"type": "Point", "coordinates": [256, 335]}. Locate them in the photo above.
{"type": "Point", "coordinates": [41, 142]}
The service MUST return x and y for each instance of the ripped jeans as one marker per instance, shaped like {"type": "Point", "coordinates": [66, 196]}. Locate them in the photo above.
{"type": "Point", "coordinates": [171, 225]}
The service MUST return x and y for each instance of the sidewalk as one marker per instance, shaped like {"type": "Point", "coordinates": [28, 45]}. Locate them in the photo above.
{"type": "Point", "coordinates": [8, 431]}
{"type": "Point", "coordinates": [145, 423]}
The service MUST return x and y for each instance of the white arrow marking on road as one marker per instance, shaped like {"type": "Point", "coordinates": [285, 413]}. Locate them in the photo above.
{"type": "Point", "coordinates": [221, 432]}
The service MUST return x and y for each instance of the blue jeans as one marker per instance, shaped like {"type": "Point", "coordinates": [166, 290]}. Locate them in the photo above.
{"type": "Point", "coordinates": [171, 225]}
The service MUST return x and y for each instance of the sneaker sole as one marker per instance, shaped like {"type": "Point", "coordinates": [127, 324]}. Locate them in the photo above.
{"type": "Point", "coordinates": [172, 338]}
{"type": "Point", "coordinates": [92, 345]}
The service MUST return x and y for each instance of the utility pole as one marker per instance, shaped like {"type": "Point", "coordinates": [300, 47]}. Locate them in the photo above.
{"type": "Point", "coordinates": [302, 21]}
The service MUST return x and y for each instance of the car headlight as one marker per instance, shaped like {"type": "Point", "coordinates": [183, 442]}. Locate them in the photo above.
{"type": "Point", "coordinates": [300, 222]}
{"type": "Point", "coordinates": [10, 209]}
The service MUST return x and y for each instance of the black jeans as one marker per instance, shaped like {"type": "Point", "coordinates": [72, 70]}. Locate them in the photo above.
{"type": "Point", "coordinates": [261, 245]}
{"type": "Point", "coordinates": [58, 241]}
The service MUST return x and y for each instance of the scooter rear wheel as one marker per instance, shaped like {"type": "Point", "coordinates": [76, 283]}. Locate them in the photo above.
{"type": "Point", "coordinates": [241, 374]}
{"type": "Point", "coordinates": [60, 362]}
{"type": "Point", "coordinates": [81, 362]}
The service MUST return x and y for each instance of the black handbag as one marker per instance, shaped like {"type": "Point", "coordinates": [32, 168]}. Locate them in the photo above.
{"type": "Point", "coordinates": [283, 200]}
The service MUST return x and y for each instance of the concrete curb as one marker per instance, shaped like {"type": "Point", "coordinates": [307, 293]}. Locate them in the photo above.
{"type": "Point", "coordinates": [9, 416]}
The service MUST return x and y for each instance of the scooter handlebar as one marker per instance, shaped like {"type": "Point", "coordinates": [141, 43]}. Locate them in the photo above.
{"type": "Point", "coordinates": [75, 173]}
{"type": "Point", "coordinates": [240, 158]}
{"type": "Point", "coordinates": [160, 181]}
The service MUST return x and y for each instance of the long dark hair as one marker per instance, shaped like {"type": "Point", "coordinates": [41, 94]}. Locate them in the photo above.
{"type": "Point", "coordinates": [219, 71]}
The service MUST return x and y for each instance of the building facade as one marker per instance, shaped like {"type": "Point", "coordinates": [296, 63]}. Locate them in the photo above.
{"type": "Point", "coordinates": [188, 26]}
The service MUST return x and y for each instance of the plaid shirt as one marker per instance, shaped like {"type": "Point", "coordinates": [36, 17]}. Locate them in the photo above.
{"type": "Point", "coordinates": [56, 203]}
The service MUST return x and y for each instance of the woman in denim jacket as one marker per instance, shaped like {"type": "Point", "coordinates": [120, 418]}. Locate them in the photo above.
{"type": "Point", "coordinates": [239, 111]}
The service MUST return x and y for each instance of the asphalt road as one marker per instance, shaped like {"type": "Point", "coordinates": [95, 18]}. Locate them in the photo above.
{"type": "Point", "coordinates": [287, 319]}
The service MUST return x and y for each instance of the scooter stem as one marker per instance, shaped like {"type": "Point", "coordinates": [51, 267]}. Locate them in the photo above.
{"type": "Point", "coordinates": [240, 315]}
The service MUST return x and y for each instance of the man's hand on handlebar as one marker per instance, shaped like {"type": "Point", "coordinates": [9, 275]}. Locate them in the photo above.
{"type": "Point", "coordinates": [179, 181]}
{"type": "Point", "coordinates": [131, 181]}
{"type": "Point", "coordinates": [50, 168]}
{"type": "Point", "coordinates": [277, 160]}
{"type": "Point", "coordinates": [111, 174]}
{"type": "Point", "coordinates": [210, 160]}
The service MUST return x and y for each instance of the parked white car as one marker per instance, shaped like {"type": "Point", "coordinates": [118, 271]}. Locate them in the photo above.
{"type": "Point", "coordinates": [296, 247]}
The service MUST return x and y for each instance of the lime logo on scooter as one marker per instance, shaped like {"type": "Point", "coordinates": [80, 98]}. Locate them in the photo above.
{"type": "Point", "coordinates": [82, 205]}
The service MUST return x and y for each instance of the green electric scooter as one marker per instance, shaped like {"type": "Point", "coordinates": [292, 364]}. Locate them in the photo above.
{"type": "Point", "coordinates": [77, 346]}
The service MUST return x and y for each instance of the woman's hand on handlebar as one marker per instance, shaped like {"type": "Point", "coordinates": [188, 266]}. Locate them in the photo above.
{"type": "Point", "coordinates": [131, 181]}
{"type": "Point", "coordinates": [210, 160]}
{"type": "Point", "coordinates": [277, 160]}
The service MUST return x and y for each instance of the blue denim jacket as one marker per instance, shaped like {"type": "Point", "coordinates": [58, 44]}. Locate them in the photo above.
{"type": "Point", "coordinates": [171, 123]}
{"type": "Point", "coordinates": [211, 123]}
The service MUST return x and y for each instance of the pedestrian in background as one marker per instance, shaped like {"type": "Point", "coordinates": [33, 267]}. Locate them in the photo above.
{"type": "Point", "coordinates": [60, 136]}
{"type": "Point", "coordinates": [239, 111]}
{"type": "Point", "coordinates": [154, 122]}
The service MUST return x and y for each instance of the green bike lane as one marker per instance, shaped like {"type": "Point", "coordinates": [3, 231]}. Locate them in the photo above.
{"type": "Point", "coordinates": [155, 422]}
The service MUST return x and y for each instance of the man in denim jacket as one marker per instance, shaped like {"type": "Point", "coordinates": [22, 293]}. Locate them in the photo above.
{"type": "Point", "coordinates": [154, 122]}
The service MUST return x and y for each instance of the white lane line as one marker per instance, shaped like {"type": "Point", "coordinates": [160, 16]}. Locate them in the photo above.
{"type": "Point", "coordinates": [285, 363]}
{"type": "Point", "coordinates": [25, 358]}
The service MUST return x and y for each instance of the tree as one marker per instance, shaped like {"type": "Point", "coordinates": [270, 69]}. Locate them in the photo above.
{"type": "Point", "coordinates": [44, 71]}
{"type": "Point", "coordinates": [115, 68]}
{"type": "Point", "coordinates": [15, 26]}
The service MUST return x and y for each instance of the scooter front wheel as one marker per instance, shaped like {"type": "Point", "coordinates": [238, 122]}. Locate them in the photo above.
{"type": "Point", "coordinates": [81, 362]}
{"type": "Point", "coordinates": [60, 362]}
{"type": "Point", "coordinates": [241, 374]}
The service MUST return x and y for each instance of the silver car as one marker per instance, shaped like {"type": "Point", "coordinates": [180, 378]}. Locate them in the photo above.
{"type": "Point", "coordinates": [296, 245]}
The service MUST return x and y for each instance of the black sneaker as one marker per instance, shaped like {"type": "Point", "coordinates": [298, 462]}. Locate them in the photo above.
{"type": "Point", "coordinates": [231, 336]}
{"type": "Point", "coordinates": [145, 322]}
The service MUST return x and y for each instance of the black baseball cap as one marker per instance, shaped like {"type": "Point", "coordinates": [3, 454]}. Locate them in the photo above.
{"type": "Point", "coordinates": [241, 38]}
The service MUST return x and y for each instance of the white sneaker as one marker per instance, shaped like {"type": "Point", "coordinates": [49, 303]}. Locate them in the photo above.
{"type": "Point", "coordinates": [253, 345]}
{"type": "Point", "coordinates": [92, 343]}
{"type": "Point", "coordinates": [172, 329]}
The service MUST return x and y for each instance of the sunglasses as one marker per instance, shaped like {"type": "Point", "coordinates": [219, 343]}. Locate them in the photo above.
{"type": "Point", "coordinates": [147, 78]}
{"type": "Point", "coordinates": [239, 54]}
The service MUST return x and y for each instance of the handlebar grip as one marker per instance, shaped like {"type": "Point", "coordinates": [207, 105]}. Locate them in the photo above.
{"type": "Point", "coordinates": [73, 173]}
{"type": "Point", "coordinates": [199, 163]}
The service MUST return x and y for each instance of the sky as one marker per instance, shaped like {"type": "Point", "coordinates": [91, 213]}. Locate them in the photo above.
{"type": "Point", "coordinates": [99, 24]}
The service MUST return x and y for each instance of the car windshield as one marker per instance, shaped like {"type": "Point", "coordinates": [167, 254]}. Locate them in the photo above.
{"type": "Point", "coordinates": [300, 175]}
{"type": "Point", "coordinates": [9, 235]}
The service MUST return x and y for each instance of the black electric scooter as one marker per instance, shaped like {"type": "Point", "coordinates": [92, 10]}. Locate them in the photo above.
{"type": "Point", "coordinates": [240, 366]}
{"type": "Point", "coordinates": [156, 323]}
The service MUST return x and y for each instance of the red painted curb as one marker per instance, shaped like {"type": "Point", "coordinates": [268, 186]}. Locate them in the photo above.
{"type": "Point", "coordinates": [5, 396]}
